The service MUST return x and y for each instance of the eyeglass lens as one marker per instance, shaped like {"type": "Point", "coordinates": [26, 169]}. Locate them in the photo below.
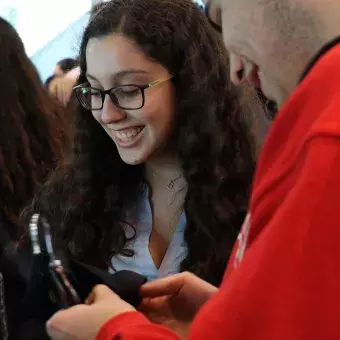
{"type": "Point", "coordinates": [126, 97]}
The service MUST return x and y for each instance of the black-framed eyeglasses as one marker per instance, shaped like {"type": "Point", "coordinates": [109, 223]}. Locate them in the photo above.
{"type": "Point", "coordinates": [213, 13]}
{"type": "Point", "coordinates": [127, 97]}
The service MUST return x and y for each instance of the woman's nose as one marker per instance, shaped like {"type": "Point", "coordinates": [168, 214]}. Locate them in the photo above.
{"type": "Point", "coordinates": [111, 113]}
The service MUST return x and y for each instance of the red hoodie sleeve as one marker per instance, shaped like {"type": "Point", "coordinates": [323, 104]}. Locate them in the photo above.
{"type": "Point", "coordinates": [288, 285]}
{"type": "Point", "coordinates": [133, 326]}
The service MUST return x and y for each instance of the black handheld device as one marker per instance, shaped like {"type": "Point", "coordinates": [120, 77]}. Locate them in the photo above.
{"type": "Point", "coordinates": [70, 284]}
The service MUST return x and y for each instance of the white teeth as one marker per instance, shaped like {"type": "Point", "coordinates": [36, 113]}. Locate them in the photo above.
{"type": "Point", "coordinates": [128, 134]}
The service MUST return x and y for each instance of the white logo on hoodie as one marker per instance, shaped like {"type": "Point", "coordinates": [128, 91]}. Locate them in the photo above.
{"type": "Point", "coordinates": [242, 241]}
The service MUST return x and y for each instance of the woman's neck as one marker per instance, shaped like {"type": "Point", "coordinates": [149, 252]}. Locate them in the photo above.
{"type": "Point", "coordinates": [161, 171]}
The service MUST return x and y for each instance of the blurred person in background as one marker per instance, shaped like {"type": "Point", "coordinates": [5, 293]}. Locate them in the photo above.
{"type": "Point", "coordinates": [48, 82]}
{"type": "Point", "coordinates": [66, 72]}
{"type": "Point", "coordinates": [60, 89]}
{"type": "Point", "coordinates": [164, 151]}
{"type": "Point", "coordinates": [33, 140]}
{"type": "Point", "coordinates": [64, 66]}
{"type": "Point", "coordinates": [61, 83]}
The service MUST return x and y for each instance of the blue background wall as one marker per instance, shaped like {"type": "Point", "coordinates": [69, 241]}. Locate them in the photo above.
{"type": "Point", "coordinates": [65, 45]}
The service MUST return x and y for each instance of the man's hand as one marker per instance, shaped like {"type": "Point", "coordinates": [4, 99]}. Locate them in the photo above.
{"type": "Point", "coordinates": [175, 300]}
{"type": "Point", "coordinates": [83, 322]}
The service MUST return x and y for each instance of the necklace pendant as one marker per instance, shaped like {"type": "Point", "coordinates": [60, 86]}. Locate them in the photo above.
{"type": "Point", "coordinates": [170, 184]}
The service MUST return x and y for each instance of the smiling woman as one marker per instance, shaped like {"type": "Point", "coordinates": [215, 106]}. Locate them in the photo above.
{"type": "Point", "coordinates": [163, 159]}
{"type": "Point", "coordinates": [117, 61]}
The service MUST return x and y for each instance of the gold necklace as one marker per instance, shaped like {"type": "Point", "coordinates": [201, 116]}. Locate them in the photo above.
{"type": "Point", "coordinates": [171, 182]}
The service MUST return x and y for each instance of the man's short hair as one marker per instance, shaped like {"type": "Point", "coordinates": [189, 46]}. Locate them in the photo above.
{"type": "Point", "coordinates": [67, 64]}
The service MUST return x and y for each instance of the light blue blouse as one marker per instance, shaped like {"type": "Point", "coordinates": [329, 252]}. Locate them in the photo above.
{"type": "Point", "coordinates": [142, 261]}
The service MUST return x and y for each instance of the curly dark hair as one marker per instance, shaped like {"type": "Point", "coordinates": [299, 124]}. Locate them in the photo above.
{"type": "Point", "coordinates": [33, 131]}
{"type": "Point", "coordinates": [86, 201]}
{"type": "Point", "coordinates": [95, 9]}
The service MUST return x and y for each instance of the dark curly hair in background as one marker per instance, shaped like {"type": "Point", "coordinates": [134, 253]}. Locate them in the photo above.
{"type": "Point", "coordinates": [86, 201]}
{"type": "Point", "coordinates": [33, 132]}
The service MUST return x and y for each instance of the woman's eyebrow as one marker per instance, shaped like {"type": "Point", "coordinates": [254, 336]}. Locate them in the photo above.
{"type": "Point", "coordinates": [120, 74]}
{"type": "Point", "coordinates": [129, 71]}
{"type": "Point", "coordinates": [88, 76]}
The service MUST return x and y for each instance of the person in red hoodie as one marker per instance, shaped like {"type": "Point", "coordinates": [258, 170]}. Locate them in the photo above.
{"type": "Point", "coordinates": [282, 281]}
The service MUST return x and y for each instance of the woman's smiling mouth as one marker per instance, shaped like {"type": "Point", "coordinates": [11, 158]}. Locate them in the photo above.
{"type": "Point", "coordinates": [128, 137]}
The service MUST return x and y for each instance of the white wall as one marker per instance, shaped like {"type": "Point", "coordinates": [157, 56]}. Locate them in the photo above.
{"type": "Point", "coordinates": [64, 45]}
{"type": "Point", "coordinates": [39, 21]}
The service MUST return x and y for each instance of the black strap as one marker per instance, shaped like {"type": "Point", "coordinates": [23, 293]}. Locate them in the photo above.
{"type": "Point", "coordinates": [324, 49]}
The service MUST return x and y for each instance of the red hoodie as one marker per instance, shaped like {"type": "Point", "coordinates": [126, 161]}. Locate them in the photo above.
{"type": "Point", "coordinates": [283, 280]}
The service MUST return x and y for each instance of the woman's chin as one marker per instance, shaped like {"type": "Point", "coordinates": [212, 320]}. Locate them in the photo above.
{"type": "Point", "coordinates": [132, 158]}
